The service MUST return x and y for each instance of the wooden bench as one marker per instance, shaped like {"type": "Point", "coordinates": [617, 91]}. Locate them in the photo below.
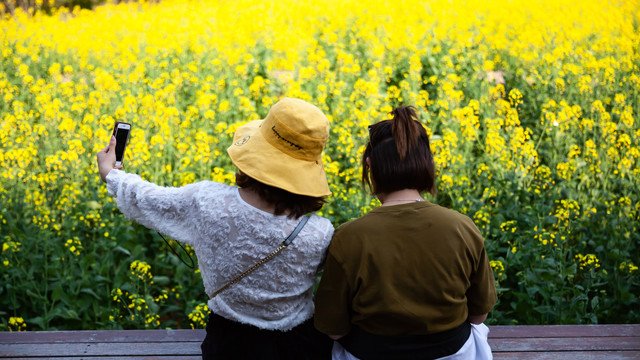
{"type": "Point", "coordinates": [507, 342]}
{"type": "Point", "coordinates": [576, 342]}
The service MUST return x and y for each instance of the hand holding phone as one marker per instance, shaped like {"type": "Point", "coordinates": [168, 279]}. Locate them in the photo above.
{"type": "Point", "coordinates": [121, 131]}
{"type": "Point", "coordinates": [111, 156]}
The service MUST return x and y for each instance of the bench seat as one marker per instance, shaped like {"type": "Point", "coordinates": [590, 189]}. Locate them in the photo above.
{"type": "Point", "coordinates": [507, 342]}
{"type": "Point", "coordinates": [561, 342]}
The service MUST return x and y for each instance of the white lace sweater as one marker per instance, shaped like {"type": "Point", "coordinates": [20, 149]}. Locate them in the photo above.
{"type": "Point", "coordinates": [228, 236]}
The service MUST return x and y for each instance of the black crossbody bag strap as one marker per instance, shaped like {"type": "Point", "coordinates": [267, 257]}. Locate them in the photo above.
{"type": "Point", "coordinates": [286, 242]}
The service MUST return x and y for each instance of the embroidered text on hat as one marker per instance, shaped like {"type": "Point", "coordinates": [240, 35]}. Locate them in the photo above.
{"type": "Point", "coordinates": [283, 139]}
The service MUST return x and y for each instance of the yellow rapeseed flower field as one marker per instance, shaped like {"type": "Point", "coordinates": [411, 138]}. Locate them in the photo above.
{"type": "Point", "coordinates": [532, 109]}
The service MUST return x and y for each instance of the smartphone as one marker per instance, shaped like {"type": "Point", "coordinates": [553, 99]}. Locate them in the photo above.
{"type": "Point", "coordinates": [121, 131]}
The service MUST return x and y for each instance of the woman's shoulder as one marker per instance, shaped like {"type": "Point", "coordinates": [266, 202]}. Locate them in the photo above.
{"type": "Point", "coordinates": [358, 225]}
{"type": "Point", "coordinates": [320, 219]}
{"type": "Point", "coordinates": [322, 224]}
{"type": "Point", "coordinates": [456, 222]}
{"type": "Point", "coordinates": [448, 214]}
{"type": "Point", "coordinates": [208, 187]}
{"type": "Point", "coordinates": [212, 197]}
{"type": "Point", "coordinates": [433, 214]}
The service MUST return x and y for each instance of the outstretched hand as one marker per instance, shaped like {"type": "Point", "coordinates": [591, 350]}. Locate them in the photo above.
{"type": "Point", "coordinates": [107, 159]}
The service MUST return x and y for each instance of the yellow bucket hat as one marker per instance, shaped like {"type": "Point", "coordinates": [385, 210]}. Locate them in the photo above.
{"type": "Point", "coordinates": [284, 149]}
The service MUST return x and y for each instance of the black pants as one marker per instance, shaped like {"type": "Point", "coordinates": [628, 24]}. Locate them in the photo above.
{"type": "Point", "coordinates": [228, 339]}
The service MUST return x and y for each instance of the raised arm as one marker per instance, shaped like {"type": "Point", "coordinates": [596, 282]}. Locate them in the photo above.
{"type": "Point", "coordinates": [168, 210]}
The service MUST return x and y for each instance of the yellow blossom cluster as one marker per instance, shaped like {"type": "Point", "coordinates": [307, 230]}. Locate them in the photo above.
{"type": "Point", "coordinates": [199, 316]}
{"type": "Point", "coordinates": [141, 270]}
{"type": "Point", "coordinates": [117, 294]}
{"type": "Point", "coordinates": [133, 307]}
{"type": "Point", "coordinates": [542, 180]}
{"type": "Point", "coordinates": [9, 247]}
{"type": "Point", "coordinates": [509, 226]}
{"type": "Point", "coordinates": [497, 267]}
{"type": "Point", "coordinates": [152, 320]}
{"type": "Point", "coordinates": [566, 211]}
{"type": "Point", "coordinates": [137, 303]}
{"type": "Point", "coordinates": [587, 261]}
{"type": "Point", "coordinates": [482, 219]}
{"type": "Point", "coordinates": [628, 266]}
{"type": "Point", "coordinates": [545, 237]}
{"type": "Point", "coordinates": [12, 246]}
{"type": "Point", "coordinates": [74, 245]}
{"type": "Point", "coordinates": [17, 324]}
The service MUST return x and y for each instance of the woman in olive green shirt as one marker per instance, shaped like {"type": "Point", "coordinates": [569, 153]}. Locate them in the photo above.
{"type": "Point", "coordinates": [409, 279]}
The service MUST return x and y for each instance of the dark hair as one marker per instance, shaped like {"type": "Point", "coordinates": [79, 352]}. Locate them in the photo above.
{"type": "Point", "coordinates": [284, 201]}
{"type": "Point", "coordinates": [400, 155]}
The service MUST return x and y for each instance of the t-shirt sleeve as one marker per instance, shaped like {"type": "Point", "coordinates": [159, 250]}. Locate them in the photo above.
{"type": "Point", "coordinates": [332, 315]}
{"type": "Point", "coordinates": [168, 210]}
{"type": "Point", "coordinates": [481, 295]}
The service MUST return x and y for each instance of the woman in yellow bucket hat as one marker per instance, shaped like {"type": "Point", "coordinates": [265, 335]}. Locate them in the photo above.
{"type": "Point", "coordinates": [267, 313]}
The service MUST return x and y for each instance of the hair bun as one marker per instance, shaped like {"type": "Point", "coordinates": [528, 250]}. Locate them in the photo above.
{"type": "Point", "coordinates": [405, 129]}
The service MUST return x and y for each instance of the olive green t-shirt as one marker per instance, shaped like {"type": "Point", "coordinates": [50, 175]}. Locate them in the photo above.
{"type": "Point", "coordinates": [415, 268]}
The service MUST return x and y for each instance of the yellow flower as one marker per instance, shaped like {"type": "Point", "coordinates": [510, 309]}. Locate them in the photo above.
{"type": "Point", "coordinates": [199, 316]}
{"type": "Point", "coordinates": [141, 270]}
{"type": "Point", "coordinates": [74, 245]}
{"type": "Point", "coordinates": [628, 265]}
{"type": "Point", "coordinates": [14, 246]}
{"type": "Point", "coordinates": [224, 106]}
{"type": "Point", "coordinates": [587, 261]}
{"type": "Point", "coordinates": [497, 266]}
{"type": "Point", "coordinates": [17, 324]}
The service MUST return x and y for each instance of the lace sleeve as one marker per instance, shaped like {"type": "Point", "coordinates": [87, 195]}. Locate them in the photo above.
{"type": "Point", "coordinates": [168, 210]}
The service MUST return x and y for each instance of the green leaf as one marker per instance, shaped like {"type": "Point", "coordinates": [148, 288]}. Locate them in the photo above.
{"type": "Point", "coordinates": [33, 295]}
{"type": "Point", "coordinates": [544, 309]}
{"type": "Point", "coordinates": [38, 321]}
{"type": "Point", "coordinates": [58, 294]}
{"type": "Point", "coordinates": [90, 292]}
{"type": "Point", "coordinates": [70, 315]}
{"type": "Point", "coordinates": [122, 250]}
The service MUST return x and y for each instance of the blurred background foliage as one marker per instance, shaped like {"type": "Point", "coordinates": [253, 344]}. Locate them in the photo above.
{"type": "Point", "coordinates": [532, 109]}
